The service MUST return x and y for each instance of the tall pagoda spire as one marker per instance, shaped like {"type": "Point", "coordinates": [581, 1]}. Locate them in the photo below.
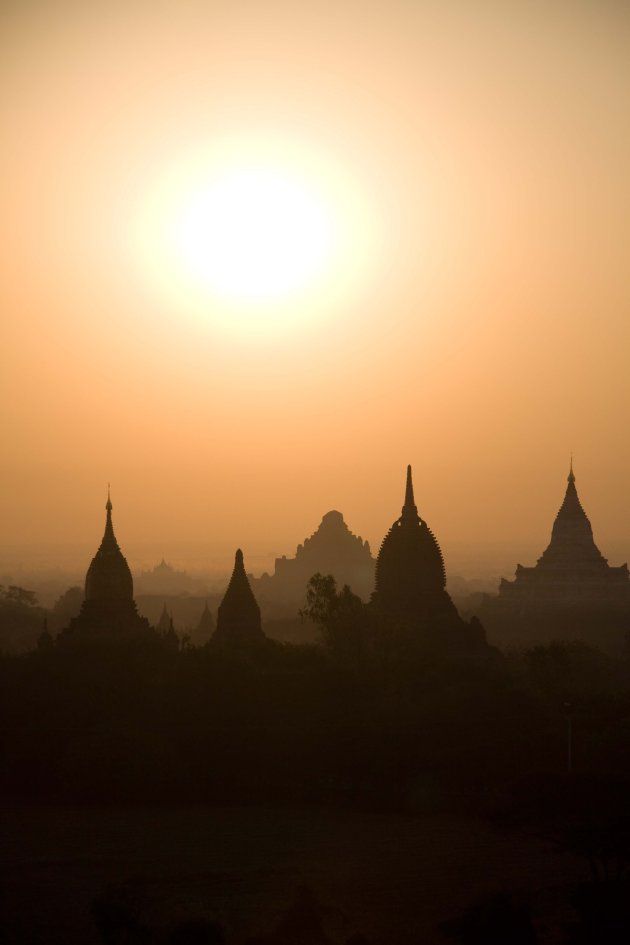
{"type": "Point", "coordinates": [109, 528]}
{"type": "Point", "coordinates": [409, 509]}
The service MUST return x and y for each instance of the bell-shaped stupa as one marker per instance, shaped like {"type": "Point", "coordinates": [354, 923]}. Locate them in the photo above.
{"type": "Point", "coordinates": [410, 577]}
{"type": "Point", "coordinates": [109, 607]}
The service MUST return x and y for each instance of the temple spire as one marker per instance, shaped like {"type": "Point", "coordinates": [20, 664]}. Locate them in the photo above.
{"type": "Point", "coordinates": [109, 528]}
{"type": "Point", "coordinates": [409, 509]}
{"type": "Point", "coordinates": [571, 477]}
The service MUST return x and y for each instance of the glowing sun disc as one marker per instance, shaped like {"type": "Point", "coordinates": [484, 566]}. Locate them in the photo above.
{"type": "Point", "coordinates": [254, 234]}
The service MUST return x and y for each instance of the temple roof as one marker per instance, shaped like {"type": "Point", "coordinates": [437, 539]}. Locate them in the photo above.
{"type": "Point", "coordinates": [572, 540]}
{"type": "Point", "coordinates": [334, 536]}
{"type": "Point", "coordinates": [108, 578]}
{"type": "Point", "coordinates": [238, 616]}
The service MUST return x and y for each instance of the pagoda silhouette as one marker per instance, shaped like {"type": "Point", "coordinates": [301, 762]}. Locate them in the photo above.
{"type": "Point", "coordinates": [571, 568]}
{"type": "Point", "coordinates": [410, 587]}
{"type": "Point", "coordinates": [238, 616]}
{"type": "Point", "coordinates": [571, 592]}
{"type": "Point", "coordinates": [109, 608]}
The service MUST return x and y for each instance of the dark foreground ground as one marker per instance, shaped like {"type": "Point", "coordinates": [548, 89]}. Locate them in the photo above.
{"type": "Point", "coordinates": [393, 879]}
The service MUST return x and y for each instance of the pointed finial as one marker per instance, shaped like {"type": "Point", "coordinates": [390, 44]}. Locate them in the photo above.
{"type": "Point", "coordinates": [571, 477]}
{"type": "Point", "coordinates": [238, 559]}
{"type": "Point", "coordinates": [409, 508]}
{"type": "Point", "coordinates": [409, 488]}
{"type": "Point", "coordinates": [109, 499]}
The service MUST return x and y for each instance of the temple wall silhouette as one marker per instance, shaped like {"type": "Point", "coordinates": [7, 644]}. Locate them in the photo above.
{"type": "Point", "coordinates": [331, 549]}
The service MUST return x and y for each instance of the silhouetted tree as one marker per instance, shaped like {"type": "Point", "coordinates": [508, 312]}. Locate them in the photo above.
{"type": "Point", "coordinates": [68, 604]}
{"type": "Point", "coordinates": [20, 619]}
{"type": "Point", "coordinates": [340, 615]}
{"type": "Point", "coordinates": [18, 595]}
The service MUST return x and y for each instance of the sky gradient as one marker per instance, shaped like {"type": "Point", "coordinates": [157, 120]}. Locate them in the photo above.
{"type": "Point", "coordinates": [477, 326]}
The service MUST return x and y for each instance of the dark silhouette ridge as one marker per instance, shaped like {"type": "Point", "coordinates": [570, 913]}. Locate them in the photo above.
{"type": "Point", "coordinates": [238, 617]}
{"type": "Point", "coordinates": [109, 608]}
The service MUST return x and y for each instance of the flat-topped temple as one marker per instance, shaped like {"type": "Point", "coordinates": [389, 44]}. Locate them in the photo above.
{"type": "Point", "coordinates": [331, 549]}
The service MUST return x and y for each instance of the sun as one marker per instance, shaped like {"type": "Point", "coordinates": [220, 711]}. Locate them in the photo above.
{"type": "Point", "coordinates": [254, 234]}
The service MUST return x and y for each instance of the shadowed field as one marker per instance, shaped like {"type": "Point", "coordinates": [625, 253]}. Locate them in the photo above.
{"type": "Point", "coordinates": [393, 879]}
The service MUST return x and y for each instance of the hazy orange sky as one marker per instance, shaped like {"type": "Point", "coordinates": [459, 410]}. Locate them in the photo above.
{"type": "Point", "coordinates": [477, 327]}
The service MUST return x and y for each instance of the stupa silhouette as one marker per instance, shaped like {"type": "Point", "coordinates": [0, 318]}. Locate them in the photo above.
{"type": "Point", "coordinates": [410, 589]}
{"type": "Point", "coordinates": [410, 577]}
{"type": "Point", "coordinates": [109, 608]}
{"type": "Point", "coordinates": [238, 616]}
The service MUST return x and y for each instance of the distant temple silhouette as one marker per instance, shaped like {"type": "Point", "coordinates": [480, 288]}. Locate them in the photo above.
{"type": "Point", "coordinates": [571, 568]}
{"type": "Point", "coordinates": [571, 591]}
{"type": "Point", "coordinates": [164, 623]}
{"type": "Point", "coordinates": [238, 617]}
{"type": "Point", "coordinates": [109, 607]}
{"type": "Point", "coordinates": [205, 627]}
{"type": "Point", "coordinates": [331, 549]}
{"type": "Point", "coordinates": [165, 579]}
{"type": "Point", "coordinates": [411, 580]}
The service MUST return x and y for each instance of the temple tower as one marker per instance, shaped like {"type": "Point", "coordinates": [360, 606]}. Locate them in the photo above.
{"type": "Point", "coordinates": [205, 627]}
{"type": "Point", "coordinates": [571, 593]}
{"type": "Point", "coordinates": [238, 616]}
{"type": "Point", "coordinates": [571, 568]}
{"type": "Point", "coordinates": [331, 549]}
{"type": "Point", "coordinates": [109, 607]}
{"type": "Point", "coordinates": [410, 577]}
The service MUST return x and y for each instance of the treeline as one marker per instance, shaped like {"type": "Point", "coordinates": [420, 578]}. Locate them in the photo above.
{"type": "Point", "coordinates": [399, 727]}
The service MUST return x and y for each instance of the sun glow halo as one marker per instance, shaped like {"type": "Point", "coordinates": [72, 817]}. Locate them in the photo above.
{"type": "Point", "coordinates": [254, 237]}
{"type": "Point", "coordinates": [254, 234]}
